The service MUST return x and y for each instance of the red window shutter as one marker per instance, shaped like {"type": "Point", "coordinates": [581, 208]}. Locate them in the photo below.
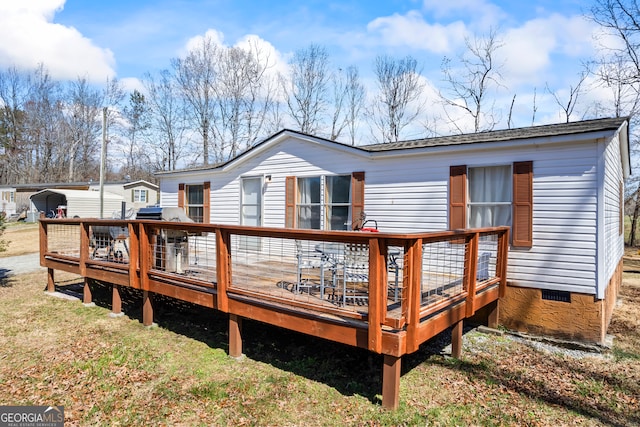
{"type": "Point", "coordinates": [357, 197]}
{"type": "Point", "coordinates": [290, 202]}
{"type": "Point", "coordinates": [457, 197]}
{"type": "Point", "coordinates": [522, 227]}
{"type": "Point", "coordinates": [206, 202]}
{"type": "Point", "coordinates": [181, 195]}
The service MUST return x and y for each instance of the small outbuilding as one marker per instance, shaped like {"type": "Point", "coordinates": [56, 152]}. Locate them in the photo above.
{"type": "Point", "coordinates": [75, 203]}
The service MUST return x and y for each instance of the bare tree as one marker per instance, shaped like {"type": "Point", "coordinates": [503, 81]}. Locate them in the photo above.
{"type": "Point", "coordinates": [196, 75]}
{"type": "Point", "coordinates": [620, 19]}
{"type": "Point", "coordinates": [306, 87]}
{"type": "Point", "coordinates": [470, 84]}
{"type": "Point", "coordinates": [242, 103]}
{"type": "Point", "coordinates": [136, 114]}
{"type": "Point", "coordinates": [14, 89]}
{"type": "Point", "coordinates": [398, 101]}
{"type": "Point", "coordinates": [348, 101]}
{"type": "Point", "coordinates": [568, 106]}
{"type": "Point", "coordinates": [44, 134]}
{"type": "Point", "coordinates": [82, 125]}
{"type": "Point", "coordinates": [112, 97]}
{"type": "Point", "coordinates": [356, 94]}
{"type": "Point", "coordinates": [168, 120]}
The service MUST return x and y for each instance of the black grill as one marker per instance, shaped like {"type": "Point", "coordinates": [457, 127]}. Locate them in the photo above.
{"type": "Point", "coordinates": [163, 214]}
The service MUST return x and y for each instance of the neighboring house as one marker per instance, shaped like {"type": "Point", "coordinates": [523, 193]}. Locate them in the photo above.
{"type": "Point", "coordinates": [560, 188]}
{"type": "Point", "coordinates": [137, 194]}
{"type": "Point", "coordinates": [8, 204]}
{"type": "Point", "coordinates": [76, 203]}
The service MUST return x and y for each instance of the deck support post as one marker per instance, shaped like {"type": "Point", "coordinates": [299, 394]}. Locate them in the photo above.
{"type": "Point", "coordinates": [87, 298]}
{"type": "Point", "coordinates": [116, 301]}
{"type": "Point", "coordinates": [51, 283]}
{"type": "Point", "coordinates": [147, 309]}
{"type": "Point", "coordinates": [235, 336]}
{"type": "Point", "coordinates": [391, 381]}
{"type": "Point", "coordinates": [456, 339]}
{"type": "Point", "coordinates": [492, 316]}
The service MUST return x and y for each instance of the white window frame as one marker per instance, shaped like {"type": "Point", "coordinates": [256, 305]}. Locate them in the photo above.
{"type": "Point", "coordinates": [139, 195]}
{"type": "Point", "coordinates": [324, 205]}
{"type": "Point", "coordinates": [509, 203]}
{"type": "Point", "coordinates": [188, 205]}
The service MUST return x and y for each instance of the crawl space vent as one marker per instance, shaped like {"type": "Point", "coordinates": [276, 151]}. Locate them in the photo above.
{"type": "Point", "coordinates": [561, 296]}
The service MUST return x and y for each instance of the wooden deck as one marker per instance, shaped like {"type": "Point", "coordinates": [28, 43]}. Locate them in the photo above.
{"type": "Point", "coordinates": [410, 288]}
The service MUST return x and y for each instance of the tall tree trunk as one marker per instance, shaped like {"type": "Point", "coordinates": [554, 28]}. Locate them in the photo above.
{"type": "Point", "coordinates": [634, 219]}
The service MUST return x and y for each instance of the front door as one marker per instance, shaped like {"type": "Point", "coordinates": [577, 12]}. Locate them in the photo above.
{"type": "Point", "coordinates": [251, 209]}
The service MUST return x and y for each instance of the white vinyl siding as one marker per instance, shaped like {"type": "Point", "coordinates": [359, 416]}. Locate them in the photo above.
{"type": "Point", "coordinates": [612, 246]}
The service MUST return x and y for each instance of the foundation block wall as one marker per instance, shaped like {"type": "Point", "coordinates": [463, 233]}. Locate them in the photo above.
{"type": "Point", "coordinates": [584, 318]}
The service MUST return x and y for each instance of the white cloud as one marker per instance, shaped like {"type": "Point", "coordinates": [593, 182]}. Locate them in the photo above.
{"type": "Point", "coordinates": [267, 53]}
{"type": "Point", "coordinates": [482, 14]}
{"type": "Point", "coordinates": [28, 37]}
{"type": "Point", "coordinates": [411, 30]}
{"type": "Point", "coordinates": [531, 51]}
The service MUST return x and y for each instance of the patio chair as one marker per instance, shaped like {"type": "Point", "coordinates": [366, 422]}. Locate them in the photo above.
{"type": "Point", "coordinates": [394, 268]}
{"type": "Point", "coordinates": [312, 267]}
{"type": "Point", "coordinates": [355, 277]}
{"type": "Point", "coordinates": [483, 266]}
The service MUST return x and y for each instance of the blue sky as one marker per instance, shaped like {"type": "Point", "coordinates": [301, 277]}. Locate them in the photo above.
{"type": "Point", "coordinates": [544, 42]}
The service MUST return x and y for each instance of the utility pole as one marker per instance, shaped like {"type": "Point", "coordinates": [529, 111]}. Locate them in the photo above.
{"type": "Point", "coordinates": [102, 159]}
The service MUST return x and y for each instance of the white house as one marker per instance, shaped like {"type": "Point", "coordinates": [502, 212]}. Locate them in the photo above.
{"type": "Point", "coordinates": [137, 194]}
{"type": "Point", "coordinates": [7, 200]}
{"type": "Point", "coordinates": [560, 187]}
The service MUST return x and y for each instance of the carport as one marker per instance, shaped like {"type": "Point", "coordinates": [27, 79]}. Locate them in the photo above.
{"type": "Point", "coordinates": [75, 203]}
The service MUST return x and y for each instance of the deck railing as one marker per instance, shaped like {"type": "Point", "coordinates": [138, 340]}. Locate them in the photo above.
{"type": "Point", "coordinates": [387, 292]}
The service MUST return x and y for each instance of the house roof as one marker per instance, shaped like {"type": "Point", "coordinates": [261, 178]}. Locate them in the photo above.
{"type": "Point", "coordinates": [76, 194]}
{"type": "Point", "coordinates": [543, 131]}
{"type": "Point", "coordinates": [139, 183]}
{"type": "Point", "coordinates": [505, 135]}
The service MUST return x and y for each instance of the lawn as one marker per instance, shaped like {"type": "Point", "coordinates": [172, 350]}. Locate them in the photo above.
{"type": "Point", "coordinates": [114, 371]}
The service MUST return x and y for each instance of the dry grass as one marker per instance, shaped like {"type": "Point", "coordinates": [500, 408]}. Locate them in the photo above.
{"type": "Point", "coordinates": [22, 237]}
{"type": "Point", "coordinates": [107, 371]}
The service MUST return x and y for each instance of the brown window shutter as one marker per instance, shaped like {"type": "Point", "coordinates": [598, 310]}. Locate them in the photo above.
{"type": "Point", "coordinates": [290, 202]}
{"type": "Point", "coordinates": [522, 227]}
{"type": "Point", "coordinates": [206, 202]}
{"type": "Point", "coordinates": [133, 196]}
{"type": "Point", "coordinates": [457, 197]}
{"type": "Point", "coordinates": [357, 198]}
{"type": "Point", "coordinates": [181, 195]}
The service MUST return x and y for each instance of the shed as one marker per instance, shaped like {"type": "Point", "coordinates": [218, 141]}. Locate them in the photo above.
{"type": "Point", "coordinates": [559, 187]}
{"type": "Point", "coordinates": [76, 203]}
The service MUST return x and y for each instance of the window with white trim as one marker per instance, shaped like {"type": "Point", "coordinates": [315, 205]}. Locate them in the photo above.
{"type": "Point", "coordinates": [140, 196]}
{"type": "Point", "coordinates": [324, 202]}
{"type": "Point", "coordinates": [194, 202]}
{"type": "Point", "coordinates": [490, 196]}
{"type": "Point", "coordinates": [8, 196]}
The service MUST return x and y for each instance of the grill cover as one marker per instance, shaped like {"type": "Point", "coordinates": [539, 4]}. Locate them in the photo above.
{"type": "Point", "coordinates": [164, 214]}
